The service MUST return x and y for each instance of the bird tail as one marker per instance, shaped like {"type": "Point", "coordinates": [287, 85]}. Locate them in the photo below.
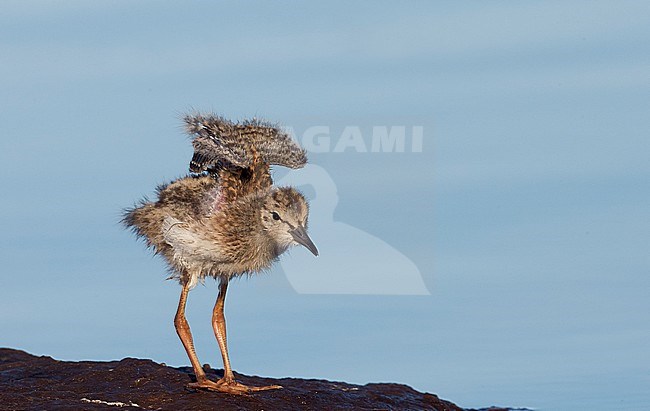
{"type": "Point", "coordinates": [139, 219]}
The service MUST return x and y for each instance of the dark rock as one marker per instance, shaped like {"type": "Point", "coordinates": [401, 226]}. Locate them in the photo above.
{"type": "Point", "coordinates": [28, 382]}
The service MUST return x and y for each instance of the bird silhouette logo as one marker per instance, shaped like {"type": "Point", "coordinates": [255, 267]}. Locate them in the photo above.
{"type": "Point", "coordinates": [351, 260]}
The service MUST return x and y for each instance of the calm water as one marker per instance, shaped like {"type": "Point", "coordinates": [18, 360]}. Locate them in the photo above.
{"type": "Point", "coordinates": [526, 214]}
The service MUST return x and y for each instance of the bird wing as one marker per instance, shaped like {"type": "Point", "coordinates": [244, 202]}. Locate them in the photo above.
{"type": "Point", "coordinates": [221, 143]}
{"type": "Point", "coordinates": [239, 154]}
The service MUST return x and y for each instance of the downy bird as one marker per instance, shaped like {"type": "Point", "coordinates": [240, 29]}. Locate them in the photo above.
{"type": "Point", "coordinates": [224, 220]}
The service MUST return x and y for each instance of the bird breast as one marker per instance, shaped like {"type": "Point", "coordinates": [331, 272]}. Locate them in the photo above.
{"type": "Point", "coordinates": [229, 243]}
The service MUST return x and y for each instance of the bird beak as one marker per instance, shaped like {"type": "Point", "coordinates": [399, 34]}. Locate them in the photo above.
{"type": "Point", "coordinates": [299, 234]}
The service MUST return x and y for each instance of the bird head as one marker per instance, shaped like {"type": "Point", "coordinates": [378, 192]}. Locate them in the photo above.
{"type": "Point", "coordinates": [284, 217]}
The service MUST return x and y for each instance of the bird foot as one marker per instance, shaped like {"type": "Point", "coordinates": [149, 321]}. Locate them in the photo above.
{"type": "Point", "coordinates": [204, 384]}
{"type": "Point", "coordinates": [233, 387]}
{"type": "Point", "coordinates": [230, 386]}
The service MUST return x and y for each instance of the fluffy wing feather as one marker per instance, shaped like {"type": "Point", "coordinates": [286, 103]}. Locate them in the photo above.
{"type": "Point", "coordinates": [219, 143]}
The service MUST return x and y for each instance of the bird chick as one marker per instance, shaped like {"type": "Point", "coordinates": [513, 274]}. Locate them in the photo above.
{"type": "Point", "coordinates": [225, 224]}
{"type": "Point", "coordinates": [199, 235]}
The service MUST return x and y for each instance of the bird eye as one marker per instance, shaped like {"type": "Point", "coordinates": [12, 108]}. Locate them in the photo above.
{"type": "Point", "coordinates": [276, 216]}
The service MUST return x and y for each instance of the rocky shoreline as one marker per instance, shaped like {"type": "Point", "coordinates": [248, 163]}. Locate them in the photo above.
{"type": "Point", "coordinates": [29, 382]}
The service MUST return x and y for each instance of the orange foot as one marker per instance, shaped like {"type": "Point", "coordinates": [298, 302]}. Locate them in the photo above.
{"type": "Point", "coordinates": [230, 386]}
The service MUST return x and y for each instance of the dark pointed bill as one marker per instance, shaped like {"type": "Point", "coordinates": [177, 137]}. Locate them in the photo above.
{"type": "Point", "coordinates": [300, 235]}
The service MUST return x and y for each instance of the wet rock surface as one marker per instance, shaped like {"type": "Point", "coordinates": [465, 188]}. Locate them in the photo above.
{"type": "Point", "coordinates": [28, 382]}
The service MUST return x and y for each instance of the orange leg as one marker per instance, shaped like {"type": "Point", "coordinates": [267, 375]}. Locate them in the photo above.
{"type": "Point", "coordinates": [228, 383]}
{"type": "Point", "coordinates": [183, 331]}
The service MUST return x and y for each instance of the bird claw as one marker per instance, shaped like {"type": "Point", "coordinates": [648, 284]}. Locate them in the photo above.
{"type": "Point", "coordinates": [230, 386]}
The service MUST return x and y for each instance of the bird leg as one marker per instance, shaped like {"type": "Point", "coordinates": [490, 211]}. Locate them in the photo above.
{"type": "Point", "coordinates": [228, 383]}
{"type": "Point", "coordinates": [183, 331]}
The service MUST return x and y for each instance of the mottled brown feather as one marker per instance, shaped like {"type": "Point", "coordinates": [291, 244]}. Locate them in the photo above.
{"type": "Point", "coordinates": [219, 222]}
